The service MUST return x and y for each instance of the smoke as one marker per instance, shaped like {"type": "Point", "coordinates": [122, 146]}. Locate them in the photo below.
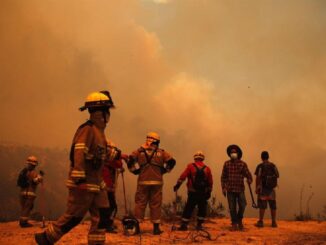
{"type": "Point", "coordinates": [204, 74]}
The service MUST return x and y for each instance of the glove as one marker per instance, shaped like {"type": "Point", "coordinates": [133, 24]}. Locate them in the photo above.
{"type": "Point", "coordinates": [163, 170]}
{"type": "Point", "coordinates": [121, 170]}
{"type": "Point", "coordinates": [176, 187]}
{"type": "Point", "coordinates": [124, 157]}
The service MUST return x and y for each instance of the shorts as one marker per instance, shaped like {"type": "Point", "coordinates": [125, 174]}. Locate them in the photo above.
{"type": "Point", "coordinates": [262, 204]}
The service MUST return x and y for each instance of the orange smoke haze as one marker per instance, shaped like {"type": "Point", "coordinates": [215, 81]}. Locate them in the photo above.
{"type": "Point", "coordinates": [203, 74]}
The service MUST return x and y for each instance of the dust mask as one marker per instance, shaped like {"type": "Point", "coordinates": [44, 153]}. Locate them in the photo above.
{"type": "Point", "coordinates": [234, 155]}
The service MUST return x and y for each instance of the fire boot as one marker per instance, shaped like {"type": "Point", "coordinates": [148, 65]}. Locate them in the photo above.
{"type": "Point", "coordinates": [25, 224]}
{"type": "Point", "coordinates": [183, 226]}
{"type": "Point", "coordinates": [156, 229]}
{"type": "Point", "coordinates": [110, 228]}
{"type": "Point", "coordinates": [41, 239]}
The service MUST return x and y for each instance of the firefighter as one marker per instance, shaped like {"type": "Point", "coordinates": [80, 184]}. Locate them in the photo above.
{"type": "Point", "coordinates": [199, 184]}
{"type": "Point", "coordinates": [88, 153]}
{"type": "Point", "coordinates": [111, 170]}
{"type": "Point", "coordinates": [233, 173]}
{"type": "Point", "coordinates": [27, 181]}
{"type": "Point", "coordinates": [153, 163]}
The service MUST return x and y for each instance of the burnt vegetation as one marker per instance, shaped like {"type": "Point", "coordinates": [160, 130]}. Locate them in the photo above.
{"type": "Point", "coordinates": [172, 211]}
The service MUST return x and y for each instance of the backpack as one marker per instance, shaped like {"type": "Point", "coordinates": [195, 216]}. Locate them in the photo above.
{"type": "Point", "coordinates": [22, 180]}
{"type": "Point", "coordinates": [269, 176]}
{"type": "Point", "coordinates": [200, 182]}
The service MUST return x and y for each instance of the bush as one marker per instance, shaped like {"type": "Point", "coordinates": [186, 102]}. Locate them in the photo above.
{"type": "Point", "coordinates": [304, 216]}
{"type": "Point", "coordinates": [173, 210]}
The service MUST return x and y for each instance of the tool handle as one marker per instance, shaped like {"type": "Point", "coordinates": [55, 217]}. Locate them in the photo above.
{"type": "Point", "coordinates": [124, 193]}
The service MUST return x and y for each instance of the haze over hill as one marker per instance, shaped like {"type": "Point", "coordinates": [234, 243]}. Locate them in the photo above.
{"type": "Point", "coordinates": [204, 74]}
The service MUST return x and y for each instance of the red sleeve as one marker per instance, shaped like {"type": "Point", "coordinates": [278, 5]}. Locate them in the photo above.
{"type": "Point", "coordinates": [185, 174]}
{"type": "Point", "coordinates": [114, 163]}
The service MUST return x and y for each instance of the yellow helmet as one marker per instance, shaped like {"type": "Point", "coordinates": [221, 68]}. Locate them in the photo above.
{"type": "Point", "coordinates": [100, 99]}
{"type": "Point", "coordinates": [153, 135]}
{"type": "Point", "coordinates": [199, 155]}
{"type": "Point", "coordinates": [32, 160]}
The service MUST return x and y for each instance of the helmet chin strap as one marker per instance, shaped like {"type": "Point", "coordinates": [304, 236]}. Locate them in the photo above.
{"type": "Point", "coordinates": [104, 116]}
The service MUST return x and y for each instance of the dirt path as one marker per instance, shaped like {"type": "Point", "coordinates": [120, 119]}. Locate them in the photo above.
{"type": "Point", "coordinates": [288, 232]}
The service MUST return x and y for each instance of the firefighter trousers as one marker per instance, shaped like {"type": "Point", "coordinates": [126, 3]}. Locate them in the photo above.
{"type": "Point", "coordinates": [79, 202]}
{"type": "Point", "coordinates": [195, 199]}
{"type": "Point", "coordinates": [113, 207]}
{"type": "Point", "coordinates": [27, 204]}
{"type": "Point", "coordinates": [152, 195]}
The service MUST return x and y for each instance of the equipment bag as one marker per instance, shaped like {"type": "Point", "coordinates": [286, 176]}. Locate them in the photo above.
{"type": "Point", "coordinates": [200, 182]}
{"type": "Point", "coordinates": [22, 180]}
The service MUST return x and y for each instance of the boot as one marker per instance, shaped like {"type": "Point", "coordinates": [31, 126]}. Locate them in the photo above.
{"type": "Point", "coordinates": [234, 227]}
{"type": "Point", "coordinates": [25, 224]}
{"type": "Point", "coordinates": [110, 228]}
{"type": "Point", "coordinates": [199, 225]}
{"type": "Point", "coordinates": [41, 239]}
{"type": "Point", "coordinates": [273, 214]}
{"type": "Point", "coordinates": [183, 227]}
{"type": "Point", "coordinates": [156, 229]}
{"type": "Point", "coordinates": [259, 224]}
{"type": "Point", "coordinates": [240, 225]}
{"type": "Point", "coordinates": [274, 224]}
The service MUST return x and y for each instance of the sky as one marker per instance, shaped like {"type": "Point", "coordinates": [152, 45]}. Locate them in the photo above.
{"type": "Point", "coordinates": [203, 74]}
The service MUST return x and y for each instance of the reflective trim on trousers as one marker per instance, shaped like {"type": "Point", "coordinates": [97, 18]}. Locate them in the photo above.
{"type": "Point", "coordinates": [200, 218]}
{"type": "Point", "coordinates": [78, 174]}
{"type": "Point", "coordinates": [156, 221]}
{"type": "Point", "coordinates": [51, 234]}
{"type": "Point", "coordinates": [96, 237]}
{"type": "Point", "coordinates": [88, 187]}
{"type": "Point", "coordinates": [28, 193]}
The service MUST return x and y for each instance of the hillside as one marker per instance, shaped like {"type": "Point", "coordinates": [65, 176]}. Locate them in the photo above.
{"type": "Point", "coordinates": [288, 232]}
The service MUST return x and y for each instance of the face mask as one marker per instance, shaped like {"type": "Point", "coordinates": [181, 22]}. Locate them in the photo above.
{"type": "Point", "coordinates": [234, 156]}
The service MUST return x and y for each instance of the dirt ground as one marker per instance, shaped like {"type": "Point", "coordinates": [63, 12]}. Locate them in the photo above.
{"type": "Point", "coordinates": [288, 232]}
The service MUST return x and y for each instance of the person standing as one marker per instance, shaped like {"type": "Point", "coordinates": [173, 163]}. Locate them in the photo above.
{"type": "Point", "coordinates": [27, 181]}
{"type": "Point", "coordinates": [266, 180]}
{"type": "Point", "coordinates": [153, 163]}
{"type": "Point", "coordinates": [232, 180]}
{"type": "Point", "coordinates": [88, 153]}
{"type": "Point", "coordinates": [111, 170]}
{"type": "Point", "coordinates": [199, 184]}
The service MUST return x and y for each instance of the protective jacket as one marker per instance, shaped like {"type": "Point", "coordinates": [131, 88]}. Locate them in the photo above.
{"type": "Point", "coordinates": [190, 172]}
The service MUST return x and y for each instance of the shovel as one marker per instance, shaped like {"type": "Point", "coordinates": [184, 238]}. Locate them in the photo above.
{"type": "Point", "coordinates": [174, 227]}
{"type": "Point", "coordinates": [254, 205]}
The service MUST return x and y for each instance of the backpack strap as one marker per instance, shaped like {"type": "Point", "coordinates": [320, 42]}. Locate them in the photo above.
{"type": "Point", "coordinates": [197, 169]}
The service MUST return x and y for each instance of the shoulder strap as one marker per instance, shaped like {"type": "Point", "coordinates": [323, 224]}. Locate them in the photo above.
{"type": "Point", "coordinates": [148, 158]}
